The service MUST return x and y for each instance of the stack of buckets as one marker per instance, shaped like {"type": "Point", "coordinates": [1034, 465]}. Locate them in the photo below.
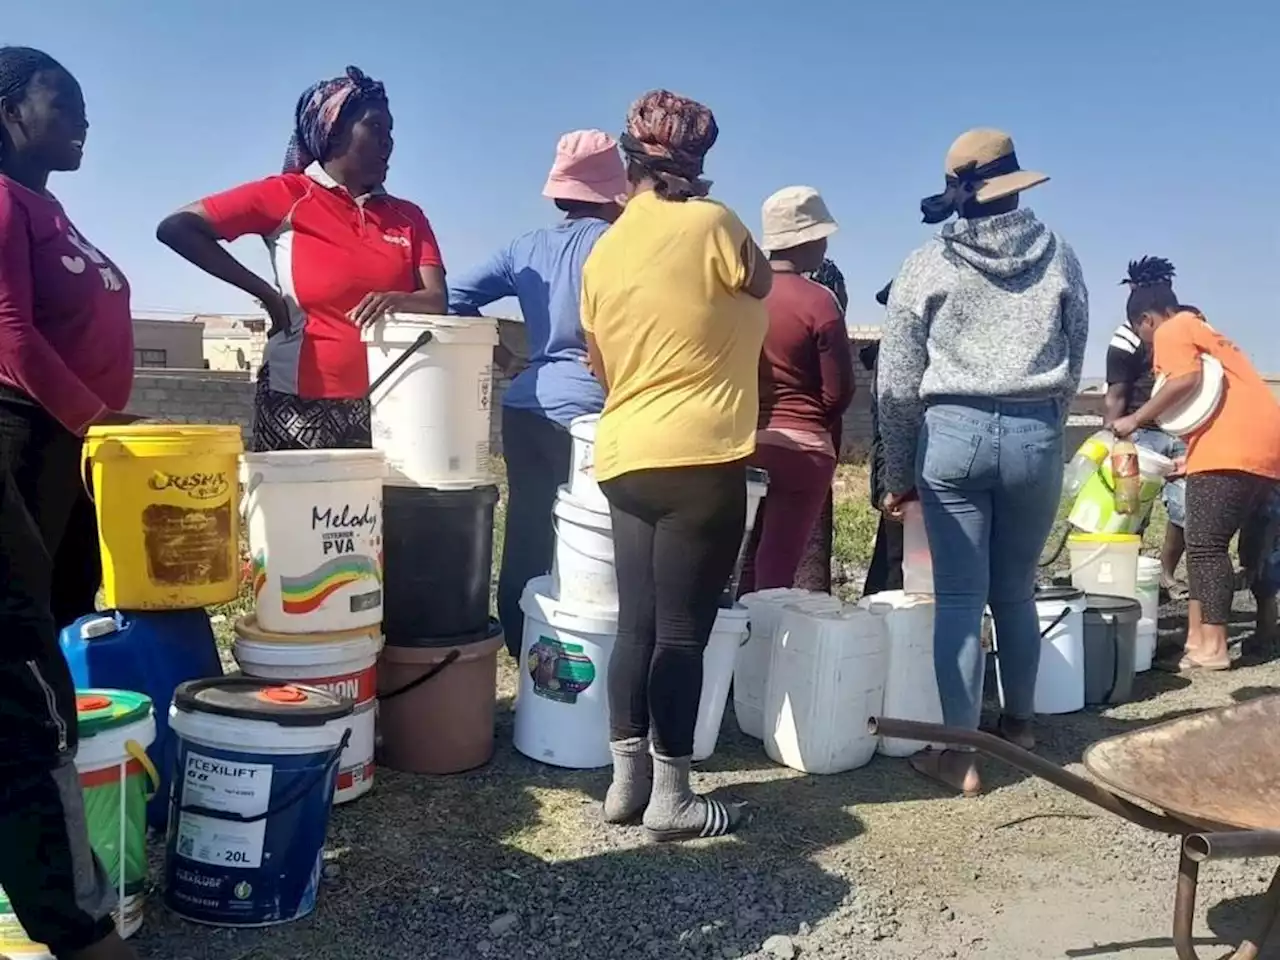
{"type": "Point", "coordinates": [437, 674]}
{"type": "Point", "coordinates": [571, 623]}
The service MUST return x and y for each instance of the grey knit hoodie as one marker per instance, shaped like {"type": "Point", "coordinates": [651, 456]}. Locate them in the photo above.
{"type": "Point", "coordinates": [992, 308]}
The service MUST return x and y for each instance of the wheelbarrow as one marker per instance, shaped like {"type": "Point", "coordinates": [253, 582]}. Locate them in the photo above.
{"type": "Point", "coordinates": [1212, 779]}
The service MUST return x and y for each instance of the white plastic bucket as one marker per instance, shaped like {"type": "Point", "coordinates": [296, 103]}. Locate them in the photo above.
{"type": "Point", "coordinates": [431, 416]}
{"type": "Point", "coordinates": [344, 665]}
{"type": "Point", "coordinates": [1148, 588]}
{"type": "Point", "coordinates": [1144, 651]}
{"type": "Point", "coordinates": [1060, 680]}
{"type": "Point", "coordinates": [562, 704]}
{"type": "Point", "coordinates": [1105, 563]}
{"type": "Point", "coordinates": [917, 561]}
{"type": "Point", "coordinates": [315, 538]}
{"type": "Point", "coordinates": [911, 684]}
{"type": "Point", "coordinates": [751, 669]}
{"type": "Point", "coordinates": [582, 474]}
{"type": "Point", "coordinates": [826, 680]}
{"type": "Point", "coordinates": [718, 659]}
{"type": "Point", "coordinates": [582, 571]}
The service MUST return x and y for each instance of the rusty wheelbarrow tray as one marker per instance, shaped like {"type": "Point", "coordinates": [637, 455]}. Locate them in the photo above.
{"type": "Point", "coordinates": [1212, 778]}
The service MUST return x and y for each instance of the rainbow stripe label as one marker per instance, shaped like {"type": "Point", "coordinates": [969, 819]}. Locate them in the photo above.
{"type": "Point", "coordinates": [308, 592]}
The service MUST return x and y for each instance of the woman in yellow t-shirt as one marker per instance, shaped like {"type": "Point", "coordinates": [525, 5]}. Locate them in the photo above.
{"type": "Point", "coordinates": [671, 307]}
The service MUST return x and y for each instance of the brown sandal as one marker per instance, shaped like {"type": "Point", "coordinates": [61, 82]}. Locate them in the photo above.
{"type": "Point", "coordinates": [930, 763]}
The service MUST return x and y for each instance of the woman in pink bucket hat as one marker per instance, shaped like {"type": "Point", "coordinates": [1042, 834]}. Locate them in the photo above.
{"type": "Point", "coordinates": [543, 270]}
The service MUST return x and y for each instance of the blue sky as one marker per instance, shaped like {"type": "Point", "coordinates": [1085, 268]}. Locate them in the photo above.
{"type": "Point", "coordinates": [1158, 121]}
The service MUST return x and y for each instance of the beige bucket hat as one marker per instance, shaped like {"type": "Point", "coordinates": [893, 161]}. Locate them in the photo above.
{"type": "Point", "coordinates": [981, 165]}
{"type": "Point", "coordinates": [794, 216]}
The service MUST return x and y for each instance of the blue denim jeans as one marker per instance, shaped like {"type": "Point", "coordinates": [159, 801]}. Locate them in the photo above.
{"type": "Point", "coordinates": [989, 475]}
{"type": "Point", "coordinates": [1174, 493]}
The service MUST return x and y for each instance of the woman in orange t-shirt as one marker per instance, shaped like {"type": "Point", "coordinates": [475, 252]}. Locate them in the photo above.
{"type": "Point", "coordinates": [1232, 464]}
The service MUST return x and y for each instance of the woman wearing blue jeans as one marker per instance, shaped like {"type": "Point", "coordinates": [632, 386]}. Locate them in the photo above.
{"type": "Point", "coordinates": [982, 352]}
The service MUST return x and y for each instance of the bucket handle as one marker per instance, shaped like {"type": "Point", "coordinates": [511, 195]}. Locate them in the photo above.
{"type": "Point", "coordinates": [86, 473]}
{"type": "Point", "coordinates": [413, 684]}
{"type": "Point", "coordinates": [137, 752]}
{"type": "Point", "coordinates": [555, 526]}
{"type": "Point", "coordinates": [423, 339]}
{"type": "Point", "coordinates": [1062, 615]}
{"type": "Point", "coordinates": [1076, 568]}
{"type": "Point", "coordinates": [286, 802]}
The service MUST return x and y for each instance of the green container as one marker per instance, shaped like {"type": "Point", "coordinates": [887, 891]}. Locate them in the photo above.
{"type": "Point", "coordinates": [1095, 508]}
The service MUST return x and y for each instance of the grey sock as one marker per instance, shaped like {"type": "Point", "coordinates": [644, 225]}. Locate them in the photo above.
{"type": "Point", "coordinates": [675, 812]}
{"type": "Point", "coordinates": [632, 780]}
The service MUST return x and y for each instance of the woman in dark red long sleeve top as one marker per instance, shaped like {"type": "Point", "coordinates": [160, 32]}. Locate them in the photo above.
{"type": "Point", "coordinates": [806, 384]}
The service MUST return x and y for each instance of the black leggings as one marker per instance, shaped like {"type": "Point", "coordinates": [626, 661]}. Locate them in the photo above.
{"type": "Point", "coordinates": [676, 534]}
{"type": "Point", "coordinates": [1218, 506]}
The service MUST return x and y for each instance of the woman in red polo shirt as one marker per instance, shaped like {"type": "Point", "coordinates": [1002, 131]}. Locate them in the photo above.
{"type": "Point", "coordinates": [345, 253]}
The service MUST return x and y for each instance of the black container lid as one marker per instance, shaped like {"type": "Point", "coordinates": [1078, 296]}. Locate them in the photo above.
{"type": "Point", "coordinates": [249, 698]}
{"type": "Point", "coordinates": [1106, 603]}
{"type": "Point", "coordinates": [1058, 594]}
{"type": "Point", "coordinates": [438, 496]}
{"type": "Point", "coordinates": [492, 629]}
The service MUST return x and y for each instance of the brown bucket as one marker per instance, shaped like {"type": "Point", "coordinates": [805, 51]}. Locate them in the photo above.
{"type": "Point", "coordinates": [436, 704]}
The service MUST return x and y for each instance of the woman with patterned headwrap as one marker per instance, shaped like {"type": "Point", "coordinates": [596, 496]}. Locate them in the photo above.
{"type": "Point", "coordinates": [345, 254]}
{"type": "Point", "coordinates": [671, 308]}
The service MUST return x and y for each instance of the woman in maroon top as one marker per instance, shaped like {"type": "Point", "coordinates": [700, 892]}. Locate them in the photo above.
{"type": "Point", "coordinates": [806, 383]}
{"type": "Point", "coordinates": [66, 361]}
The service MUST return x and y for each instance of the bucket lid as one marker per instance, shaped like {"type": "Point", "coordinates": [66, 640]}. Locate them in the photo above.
{"type": "Point", "coordinates": [1104, 538]}
{"type": "Point", "coordinates": [248, 698]}
{"type": "Point", "coordinates": [404, 328]}
{"type": "Point", "coordinates": [396, 496]}
{"type": "Point", "coordinates": [247, 628]}
{"type": "Point", "coordinates": [1058, 594]}
{"type": "Point", "coordinates": [584, 427]}
{"type": "Point", "coordinates": [159, 439]}
{"type": "Point", "coordinates": [315, 466]}
{"type": "Point", "coordinates": [1106, 603]}
{"type": "Point", "coordinates": [493, 628]}
{"type": "Point", "coordinates": [99, 710]}
{"type": "Point", "coordinates": [469, 646]}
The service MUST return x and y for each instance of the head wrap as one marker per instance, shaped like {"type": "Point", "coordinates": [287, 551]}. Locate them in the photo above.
{"type": "Point", "coordinates": [829, 276]}
{"type": "Point", "coordinates": [668, 136]}
{"type": "Point", "coordinates": [17, 66]}
{"type": "Point", "coordinates": [882, 295]}
{"type": "Point", "coordinates": [963, 186]}
{"type": "Point", "coordinates": [319, 112]}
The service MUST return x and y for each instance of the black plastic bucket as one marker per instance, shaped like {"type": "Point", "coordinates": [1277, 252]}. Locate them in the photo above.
{"type": "Point", "coordinates": [438, 556]}
{"type": "Point", "coordinates": [1110, 648]}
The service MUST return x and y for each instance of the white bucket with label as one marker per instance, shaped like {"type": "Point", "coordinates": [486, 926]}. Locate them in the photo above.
{"type": "Point", "coordinates": [718, 659]}
{"type": "Point", "coordinates": [1149, 572]}
{"type": "Point", "coordinates": [911, 685]}
{"type": "Point", "coordinates": [343, 664]}
{"type": "Point", "coordinates": [431, 415]}
{"type": "Point", "coordinates": [582, 570]}
{"type": "Point", "coordinates": [582, 475]}
{"type": "Point", "coordinates": [1060, 679]}
{"type": "Point", "coordinates": [1144, 650]}
{"type": "Point", "coordinates": [751, 671]}
{"type": "Point", "coordinates": [314, 519]}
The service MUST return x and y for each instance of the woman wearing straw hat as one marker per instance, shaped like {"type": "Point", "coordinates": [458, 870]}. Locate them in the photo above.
{"type": "Point", "coordinates": [982, 353]}
{"type": "Point", "coordinates": [806, 383]}
{"type": "Point", "coordinates": [543, 270]}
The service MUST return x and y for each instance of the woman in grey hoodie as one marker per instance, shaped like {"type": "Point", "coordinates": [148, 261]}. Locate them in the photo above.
{"type": "Point", "coordinates": [982, 353]}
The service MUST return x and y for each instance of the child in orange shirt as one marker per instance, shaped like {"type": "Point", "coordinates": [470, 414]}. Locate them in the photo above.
{"type": "Point", "coordinates": [1232, 464]}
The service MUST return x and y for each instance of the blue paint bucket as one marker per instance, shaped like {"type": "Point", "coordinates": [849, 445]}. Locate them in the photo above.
{"type": "Point", "coordinates": [255, 767]}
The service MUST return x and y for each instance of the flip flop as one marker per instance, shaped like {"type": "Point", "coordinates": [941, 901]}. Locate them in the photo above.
{"type": "Point", "coordinates": [928, 763]}
{"type": "Point", "coordinates": [1190, 665]}
{"type": "Point", "coordinates": [721, 820]}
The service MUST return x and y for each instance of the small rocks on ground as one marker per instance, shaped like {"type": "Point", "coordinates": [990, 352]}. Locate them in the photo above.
{"type": "Point", "coordinates": [780, 947]}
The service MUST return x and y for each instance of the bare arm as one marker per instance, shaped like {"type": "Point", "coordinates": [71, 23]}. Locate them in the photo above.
{"type": "Point", "coordinates": [759, 273]}
{"type": "Point", "coordinates": [1175, 391]}
{"type": "Point", "coordinates": [1113, 403]}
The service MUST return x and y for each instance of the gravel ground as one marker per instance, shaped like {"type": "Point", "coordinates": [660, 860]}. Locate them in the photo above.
{"type": "Point", "coordinates": [511, 861]}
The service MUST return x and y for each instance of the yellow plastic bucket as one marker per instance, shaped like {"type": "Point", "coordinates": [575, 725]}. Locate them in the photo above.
{"type": "Point", "coordinates": [168, 514]}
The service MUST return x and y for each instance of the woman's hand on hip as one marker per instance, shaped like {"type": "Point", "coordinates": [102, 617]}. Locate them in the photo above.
{"type": "Point", "coordinates": [277, 311]}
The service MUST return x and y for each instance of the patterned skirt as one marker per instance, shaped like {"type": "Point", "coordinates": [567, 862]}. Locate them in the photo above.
{"type": "Point", "coordinates": [283, 421]}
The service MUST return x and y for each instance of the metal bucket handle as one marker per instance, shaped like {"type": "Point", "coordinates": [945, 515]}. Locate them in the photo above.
{"type": "Point", "coordinates": [435, 670]}
{"type": "Point", "coordinates": [291, 800]}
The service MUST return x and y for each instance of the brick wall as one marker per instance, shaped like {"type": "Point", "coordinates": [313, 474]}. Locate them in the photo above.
{"type": "Point", "coordinates": [194, 396]}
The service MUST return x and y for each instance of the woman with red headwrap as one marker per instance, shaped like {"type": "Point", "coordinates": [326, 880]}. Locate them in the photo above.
{"type": "Point", "coordinates": [671, 308]}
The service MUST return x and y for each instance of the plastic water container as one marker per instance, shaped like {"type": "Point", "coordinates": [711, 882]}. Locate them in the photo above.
{"type": "Point", "coordinates": [764, 607]}
{"type": "Point", "coordinates": [826, 679]}
{"type": "Point", "coordinates": [344, 664]}
{"type": "Point", "coordinates": [1060, 682]}
{"type": "Point", "coordinates": [1110, 648]}
{"type": "Point", "coordinates": [1086, 461]}
{"type": "Point", "coordinates": [911, 684]}
{"type": "Point", "coordinates": [151, 652]}
{"type": "Point", "coordinates": [255, 770]}
{"type": "Point", "coordinates": [168, 527]}
{"type": "Point", "coordinates": [431, 416]}
{"type": "Point", "coordinates": [582, 474]}
{"type": "Point", "coordinates": [917, 562]}
{"type": "Point", "coordinates": [315, 538]}
{"type": "Point", "coordinates": [1105, 563]}
{"type": "Point", "coordinates": [1148, 588]}
{"type": "Point", "coordinates": [582, 570]}
{"type": "Point", "coordinates": [1144, 651]}
{"type": "Point", "coordinates": [1094, 510]}
{"type": "Point", "coordinates": [718, 659]}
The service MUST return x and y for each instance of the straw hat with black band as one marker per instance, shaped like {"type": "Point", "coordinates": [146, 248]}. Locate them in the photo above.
{"type": "Point", "coordinates": [981, 167]}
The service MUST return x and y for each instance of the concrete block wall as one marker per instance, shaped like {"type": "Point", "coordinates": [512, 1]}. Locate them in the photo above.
{"type": "Point", "coordinates": [194, 396]}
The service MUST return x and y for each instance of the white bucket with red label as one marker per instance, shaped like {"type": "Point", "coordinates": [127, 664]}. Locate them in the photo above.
{"type": "Point", "coordinates": [344, 664]}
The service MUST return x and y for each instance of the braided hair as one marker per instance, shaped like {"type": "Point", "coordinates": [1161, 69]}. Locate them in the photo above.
{"type": "Point", "coordinates": [1150, 283]}
{"type": "Point", "coordinates": [17, 66]}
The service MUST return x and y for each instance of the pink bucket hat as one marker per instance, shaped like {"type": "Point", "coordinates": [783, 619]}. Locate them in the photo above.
{"type": "Point", "coordinates": [588, 168]}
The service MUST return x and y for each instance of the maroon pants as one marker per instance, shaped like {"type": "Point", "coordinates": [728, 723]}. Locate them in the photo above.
{"type": "Point", "coordinates": [799, 481]}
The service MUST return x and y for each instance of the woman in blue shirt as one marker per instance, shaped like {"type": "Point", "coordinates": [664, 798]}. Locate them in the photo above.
{"type": "Point", "coordinates": [543, 270]}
